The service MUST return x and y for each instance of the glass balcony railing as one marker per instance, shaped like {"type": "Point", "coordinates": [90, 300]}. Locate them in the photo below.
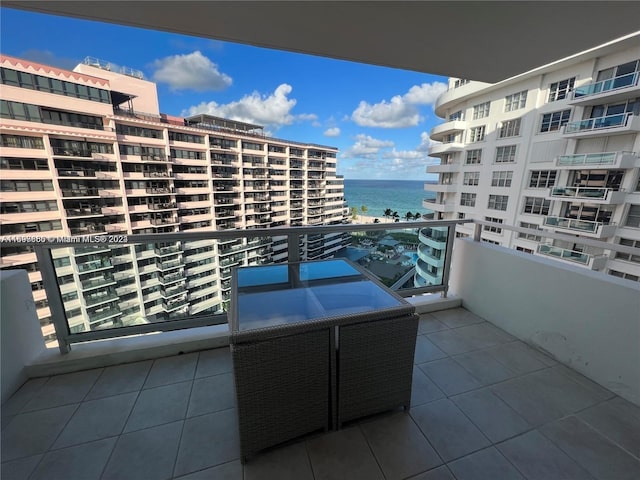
{"type": "Point", "coordinates": [608, 158]}
{"type": "Point", "coordinates": [623, 81]}
{"type": "Point", "coordinates": [588, 226]}
{"type": "Point", "coordinates": [564, 253]}
{"type": "Point", "coordinates": [190, 281]}
{"type": "Point", "coordinates": [610, 121]}
{"type": "Point", "coordinates": [596, 193]}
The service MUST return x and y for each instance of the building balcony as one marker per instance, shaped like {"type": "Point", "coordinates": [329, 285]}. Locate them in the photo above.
{"type": "Point", "coordinates": [441, 131]}
{"type": "Point", "coordinates": [606, 160]}
{"type": "Point", "coordinates": [435, 237]}
{"type": "Point", "coordinates": [442, 148]}
{"type": "Point", "coordinates": [444, 168]}
{"type": "Point", "coordinates": [588, 228]}
{"type": "Point", "coordinates": [619, 124]}
{"type": "Point", "coordinates": [606, 196]}
{"type": "Point", "coordinates": [441, 187]}
{"type": "Point", "coordinates": [527, 394]}
{"type": "Point", "coordinates": [607, 91]}
{"type": "Point", "coordinates": [436, 206]}
{"type": "Point", "coordinates": [433, 257]}
{"type": "Point", "coordinates": [593, 262]}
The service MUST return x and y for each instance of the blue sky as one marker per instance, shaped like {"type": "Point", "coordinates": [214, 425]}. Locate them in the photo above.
{"type": "Point", "coordinates": [378, 117]}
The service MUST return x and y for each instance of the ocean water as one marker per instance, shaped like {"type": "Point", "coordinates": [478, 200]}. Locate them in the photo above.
{"type": "Point", "coordinates": [399, 195]}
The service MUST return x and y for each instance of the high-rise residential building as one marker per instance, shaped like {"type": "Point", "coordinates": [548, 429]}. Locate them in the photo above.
{"type": "Point", "coordinates": [556, 148]}
{"type": "Point", "coordinates": [87, 152]}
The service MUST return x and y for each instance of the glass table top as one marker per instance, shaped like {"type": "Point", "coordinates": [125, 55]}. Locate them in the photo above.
{"type": "Point", "coordinates": [299, 292]}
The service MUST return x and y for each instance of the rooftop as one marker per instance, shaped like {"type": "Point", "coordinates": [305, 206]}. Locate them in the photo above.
{"type": "Point", "coordinates": [484, 405]}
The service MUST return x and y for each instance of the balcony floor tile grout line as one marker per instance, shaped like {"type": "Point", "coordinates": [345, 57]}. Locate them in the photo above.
{"type": "Point", "coordinates": [306, 450]}
{"type": "Point", "coordinates": [124, 425]}
{"type": "Point", "coordinates": [371, 450]}
{"type": "Point", "coordinates": [427, 438]}
{"type": "Point", "coordinates": [184, 419]}
{"type": "Point", "coordinates": [577, 412]}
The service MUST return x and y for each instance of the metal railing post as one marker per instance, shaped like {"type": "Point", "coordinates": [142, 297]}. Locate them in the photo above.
{"type": "Point", "coordinates": [54, 297]}
{"type": "Point", "coordinates": [451, 234]}
{"type": "Point", "coordinates": [293, 247]}
{"type": "Point", "coordinates": [477, 232]}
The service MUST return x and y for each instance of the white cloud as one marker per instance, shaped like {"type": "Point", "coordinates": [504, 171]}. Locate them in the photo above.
{"type": "Point", "coordinates": [393, 114]}
{"type": "Point", "coordinates": [399, 112]}
{"type": "Point", "coordinates": [425, 94]}
{"type": "Point", "coordinates": [273, 110]}
{"type": "Point", "coordinates": [332, 132]}
{"type": "Point", "coordinates": [367, 147]}
{"type": "Point", "coordinates": [425, 142]}
{"type": "Point", "coordinates": [192, 71]}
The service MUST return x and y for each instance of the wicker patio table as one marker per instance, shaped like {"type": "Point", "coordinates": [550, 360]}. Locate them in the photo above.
{"type": "Point", "coordinates": [315, 344]}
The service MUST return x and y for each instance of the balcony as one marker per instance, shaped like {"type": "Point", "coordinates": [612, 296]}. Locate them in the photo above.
{"type": "Point", "coordinates": [594, 262]}
{"type": "Point", "coordinates": [442, 148]}
{"type": "Point", "coordinates": [439, 206]}
{"type": "Point", "coordinates": [441, 187]}
{"type": "Point", "coordinates": [448, 128]}
{"type": "Point", "coordinates": [504, 375]}
{"type": "Point", "coordinates": [619, 124]}
{"type": "Point", "coordinates": [601, 195]}
{"type": "Point", "coordinates": [444, 168]}
{"type": "Point", "coordinates": [588, 228]}
{"type": "Point", "coordinates": [607, 91]}
{"type": "Point", "coordinates": [607, 159]}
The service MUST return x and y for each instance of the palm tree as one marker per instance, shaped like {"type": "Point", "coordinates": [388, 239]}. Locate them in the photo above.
{"type": "Point", "coordinates": [388, 213]}
{"type": "Point", "coordinates": [395, 215]}
{"type": "Point", "coordinates": [364, 209]}
{"type": "Point", "coordinates": [408, 216]}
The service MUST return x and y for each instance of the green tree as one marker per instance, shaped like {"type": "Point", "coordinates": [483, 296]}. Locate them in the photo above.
{"type": "Point", "coordinates": [388, 213]}
{"type": "Point", "coordinates": [395, 215]}
{"type": "Point", "coordinates": [364, 209]}
{"type": "Point", "coordinates": [354, 213]}
{"type": "Point", "coordinates": [417, 216]}
{"type": "Point", "coordinates": [408, 216]}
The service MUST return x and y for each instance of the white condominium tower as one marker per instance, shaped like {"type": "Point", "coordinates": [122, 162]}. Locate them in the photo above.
{"type": "Point", "coordinates": [556, 148]}
{"type": "Point", "coordinates": [88, 152]}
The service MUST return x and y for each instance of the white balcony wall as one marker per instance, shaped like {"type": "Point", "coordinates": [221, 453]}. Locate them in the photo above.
{"type": "Point", "coordinates": [587, 320]}
{"type": "Point", "coordinates": [20, 332]}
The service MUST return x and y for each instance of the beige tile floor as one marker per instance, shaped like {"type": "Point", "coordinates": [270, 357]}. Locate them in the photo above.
{"type": "Point", "coordinates": [484, 406]}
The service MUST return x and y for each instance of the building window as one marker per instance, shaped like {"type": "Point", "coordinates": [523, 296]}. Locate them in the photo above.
{"type": "Point", "coordinates": [23, 163]}
{"type": "Point", "coordinates": [501, 179]}
{"type": "Point", "coordinates": [471, 178]}
{"type": "Point", "coordinates": [524, 250]}
{"type": "Point", "coordinates": [536, 206]}
{"type": "Point", "coordinates": [185, 137]}
{"type": "Point", "coordinates": [468, 199]}
{"type": "Point", "coordinates": [554, 120]}
{"type": "Point", "coordinates": [509, 128]}
{"type": "Point", "coordinates": [491, 228]}
{"type": "Point", "coordinates": [506, 154]}
{"type": "Point", "coordinates": [529, 236]}
{"type": "Point", "coordinates": [542, 178]}
{"type": "Point", "coordinates": [627, 242]}
{"type": "Point", "coordinates": [459, 82]}
{"type": "Point", "coordinates": [136, 131]}
{"type": "Point", "coordinates": [626, 276]}
{"type": "Point", "coordinates": [476, 134]}
{"type": "Point", "coordinates": [20, 141]}
{"type": "Point", "coordinates": [456, 116]}
{"type": "Point", "coordinates": [560, 90]}
{"type": "Point", "coordinates": [486, 240]}
{"type": "Point", "coordinates": [460, 216]}
{"type": "Point", "coordinates": [633, 217]}
{"type": "Point", "coordinates": [515, 101]}
{"type": "Point", "coordinates": [26, 186]}
{"type": "Point", "coordinates": [481, 110]}
{"type": "Point", "coordinates": [498, 202]}
{"type": "Point", "coordinates": [29, 207]}
{"type": "Point", "coordinates": [474, 157]}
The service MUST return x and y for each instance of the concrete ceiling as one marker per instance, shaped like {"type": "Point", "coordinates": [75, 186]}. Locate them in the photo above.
{"type": "Point", "coordinates": [480, 40]}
